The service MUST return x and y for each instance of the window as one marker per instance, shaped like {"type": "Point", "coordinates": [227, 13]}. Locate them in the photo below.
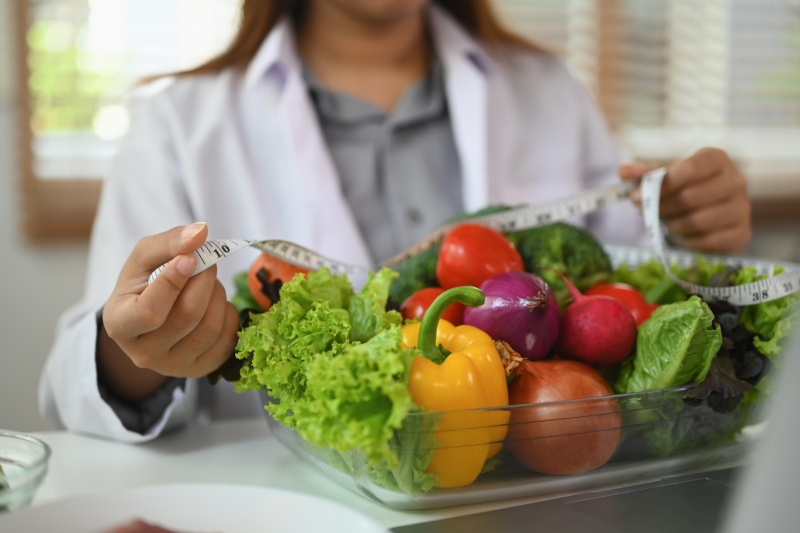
{"type": "Point", "coordinates": [79, 64]}
{"type": "Point", "coordinates": [675, 75]}
{"type": "Point", "coordinates": [670, 76]}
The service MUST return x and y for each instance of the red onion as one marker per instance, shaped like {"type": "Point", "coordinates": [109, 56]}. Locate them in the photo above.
{"type": "Point", "coordinates": [521, 310]}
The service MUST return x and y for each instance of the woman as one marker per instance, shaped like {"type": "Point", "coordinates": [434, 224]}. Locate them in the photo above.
{"type": "Point", "coordinates": [352, 127]}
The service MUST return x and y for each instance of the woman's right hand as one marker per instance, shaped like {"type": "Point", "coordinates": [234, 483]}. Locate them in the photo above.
{"type": "Point", "coordinates": [179, 326]}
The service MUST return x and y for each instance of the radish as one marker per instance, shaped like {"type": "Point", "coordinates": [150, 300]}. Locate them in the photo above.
{"type": "Point", "coordinates": [596, 330]}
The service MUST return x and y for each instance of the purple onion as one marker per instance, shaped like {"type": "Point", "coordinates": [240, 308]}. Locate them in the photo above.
{"type": "Point", "coordinates": [520, 309]}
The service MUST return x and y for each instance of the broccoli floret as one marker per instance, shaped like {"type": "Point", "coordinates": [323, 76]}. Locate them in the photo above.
{"type": "Point", "coordinates": [419, 271]}
{"type": "Point", "coordinates": [416, 273]}
{"type": "Point", "coordinates": [572, 251]}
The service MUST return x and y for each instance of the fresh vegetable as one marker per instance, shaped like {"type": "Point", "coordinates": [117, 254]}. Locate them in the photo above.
{"type": "Point", "coordinates": [243, 298]}
{"type": "Point", "coordinates": [471, 254]}
{"type": "Point", "coordinates": [562, 438]}
{"type": "Point", "coordinates": [675, 347]}
{"type": "Point", "coordinates": [631, 298]}
{"type": "Point", "coordinates": [419, 271]}
{"type": "Point", "coordinates": [419, 302]}
{"type": "Point", "coordinates": [416, 273]}
{"type": "Point", "coordinates": [651, 280]}
{"type": "Point", "coordinates": [570, 250]}
{"type": "Point", "coordinates": [521, 310]}
{"type": "Point", "coordinates": [367, 309]}
{"type": "Point", "coordinates": [657, 287]}
{"type": "Point", "coordinates": [458, 369]}
{"type": "Point", "coordinates": [770, 322]}
{"type": "Point", "coordinates": [337, 391]}
{"type": "Point", "coordinates": [266, 276]}
{"type": "Point", "coordinates": [596, 330]}
{"type": "Point", "coordinates": [750, 348]}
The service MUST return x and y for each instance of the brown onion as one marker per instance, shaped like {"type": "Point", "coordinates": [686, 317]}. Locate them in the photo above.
{"type": "Point", "coordinates": [565, 437]}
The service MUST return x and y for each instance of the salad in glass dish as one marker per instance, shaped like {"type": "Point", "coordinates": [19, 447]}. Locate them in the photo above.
{"type": "Point", "coordinates": [553, 370]}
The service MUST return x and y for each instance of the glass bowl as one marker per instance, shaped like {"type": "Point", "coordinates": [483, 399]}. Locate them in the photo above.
{"type": "Point", "coordinates": [642, 436]}
{"type": "Point", "coordinates": [23, 460]}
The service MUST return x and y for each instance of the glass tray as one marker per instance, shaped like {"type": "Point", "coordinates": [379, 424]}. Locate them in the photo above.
{"type": "Point", "coordinates": [647, 435]}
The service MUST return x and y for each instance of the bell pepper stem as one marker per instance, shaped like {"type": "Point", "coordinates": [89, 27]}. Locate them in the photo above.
{"type": "Point", "coordinates": [471, 296]}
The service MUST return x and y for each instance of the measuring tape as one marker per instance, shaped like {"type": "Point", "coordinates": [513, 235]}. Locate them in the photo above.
{"type": "Point", "coordinates": [768, 289]}
{"type": "Point", "coordinates": [531, 216]}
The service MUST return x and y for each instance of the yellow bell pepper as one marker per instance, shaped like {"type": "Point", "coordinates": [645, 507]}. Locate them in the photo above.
{"type": "Point", "coordinates": [472, 376]}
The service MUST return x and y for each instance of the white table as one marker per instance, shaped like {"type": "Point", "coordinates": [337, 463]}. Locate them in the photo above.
{"type": "Point", "coordinates": [236, 451]}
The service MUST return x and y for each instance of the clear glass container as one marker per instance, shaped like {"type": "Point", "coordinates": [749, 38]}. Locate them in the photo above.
{"type": "Point", "coordinates": [583, 444]}
{"type": "Point", "coordinates": [23, 460]}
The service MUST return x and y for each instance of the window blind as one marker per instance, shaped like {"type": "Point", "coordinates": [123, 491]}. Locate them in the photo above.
{"type": "Point", "coordinates": [670, 75]}
{"type": "Point", "coordinates": [675, 75]}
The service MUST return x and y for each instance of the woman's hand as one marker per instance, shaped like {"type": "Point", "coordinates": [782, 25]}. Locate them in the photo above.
{"type": "Point", "coordinates": [176, 326]}
{"type": "Point", "coordinates": [703, 200]}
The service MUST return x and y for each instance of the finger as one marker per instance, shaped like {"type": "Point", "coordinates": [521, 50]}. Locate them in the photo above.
{"type": "Point", "coordinates": [187, 311]}
{"type": "Point", "coordinates": [636, 197]}
{"type": "Point", "coordinates": [728, 240]}
{"type": "Point", "coordinates": [153, 251]}
{"type": "Point", "coordinates": [706, 193]}
{"type": "Point", "coordinates": [704, 164]}
{"type": "Point", "coordinates": [632, 171]}
{"type": "Point", "coordinates": [184, 353]}
{"type": "Point", "coordinates": [709, 219]}
{"type": "Point", "coordinates": [213, 358]}
{"type": "Point", "coordinates": [148, 311]}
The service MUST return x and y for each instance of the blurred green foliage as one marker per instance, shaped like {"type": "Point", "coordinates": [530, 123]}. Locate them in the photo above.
{"type": "Point", "coordinates": [68, 82]}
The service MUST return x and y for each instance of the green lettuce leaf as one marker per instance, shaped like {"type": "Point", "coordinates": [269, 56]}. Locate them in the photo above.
{"type": "Point", "coordinates": [356, 399]}
{"type": "Point", "coordinates": [766, 319]}
{"type": "Point", "coordinates": [414, 445]}
{"type": "Point", "coordinates": [771, 322]}
{"type": "Point", "coordinates": [342, 391]}
{"type": "Point", "coordinates": [651, 280]}
{"type": "Point", "coordinates": [310, 320]}
{"type": "Point", "coordinates": [675, 347]}
{"type": "Point", "coordinates": [367, 309]}
{"type": "Point", "coordinates": [243, 298]}
{"type": "Point", "coordinates": [657, 287]}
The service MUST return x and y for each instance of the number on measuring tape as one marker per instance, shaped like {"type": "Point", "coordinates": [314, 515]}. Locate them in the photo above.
{"type": "Point", "coordinates": [530, 216]}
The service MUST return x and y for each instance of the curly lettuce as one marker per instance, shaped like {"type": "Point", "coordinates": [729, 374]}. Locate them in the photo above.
{"type": "Point", "coordinates": [367, 309]}
{"type": "Point", "coordinates": [771, 322]}
{"type": "Point", "coordinates": [334, 359]}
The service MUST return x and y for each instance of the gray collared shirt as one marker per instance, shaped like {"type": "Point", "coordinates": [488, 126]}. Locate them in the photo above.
{"type": "Point", "coordinates": [399, 171]}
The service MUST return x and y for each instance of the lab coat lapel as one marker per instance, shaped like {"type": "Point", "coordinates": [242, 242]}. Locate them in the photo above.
{"type": "Point", "coordinates": [466, 87]}
{"type": "Point", "coordinates": [330, 227]}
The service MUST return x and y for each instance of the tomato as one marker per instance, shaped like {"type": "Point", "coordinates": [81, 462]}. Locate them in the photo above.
{"type": "Point", "coordinates": [275, 270]}
{"type": "Point", "coordinates": [471, 254]}
{"type": "Point", "coordinates": [419, 302]}
{"type": "Point", "coordinates": [629, 296]}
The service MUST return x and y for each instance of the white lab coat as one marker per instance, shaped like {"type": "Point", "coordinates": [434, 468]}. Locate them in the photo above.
{"type": "Point", "coordinates": [245, 154]}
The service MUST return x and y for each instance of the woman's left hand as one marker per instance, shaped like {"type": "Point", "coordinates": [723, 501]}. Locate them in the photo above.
{"type": "Point", "coordinates": [703, 199]}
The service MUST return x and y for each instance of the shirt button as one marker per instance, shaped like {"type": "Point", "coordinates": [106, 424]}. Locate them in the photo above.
{"type": "Point", "coordinates": [414, 215]}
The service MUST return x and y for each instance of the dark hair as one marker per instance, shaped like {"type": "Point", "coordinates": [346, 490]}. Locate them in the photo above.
{"type": "Point", "coordinates": [260, 16]}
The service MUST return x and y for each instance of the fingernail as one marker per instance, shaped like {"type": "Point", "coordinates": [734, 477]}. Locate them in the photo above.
{"type": "Point", "coordinates": [192, 229]}
{"type": "Point", "coordinates": [636, 195]}
{"type": "Point", "coordinates": [186, 264]}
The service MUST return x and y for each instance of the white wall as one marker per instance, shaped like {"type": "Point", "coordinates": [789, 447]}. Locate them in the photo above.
{"type": "Point", "coordinates": [38, 282]}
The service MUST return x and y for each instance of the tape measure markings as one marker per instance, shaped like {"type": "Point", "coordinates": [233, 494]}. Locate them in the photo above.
{"type": "Point", "coordinates": [765, 290]}
{"type": "Point", "coordinates": [531, 216]}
